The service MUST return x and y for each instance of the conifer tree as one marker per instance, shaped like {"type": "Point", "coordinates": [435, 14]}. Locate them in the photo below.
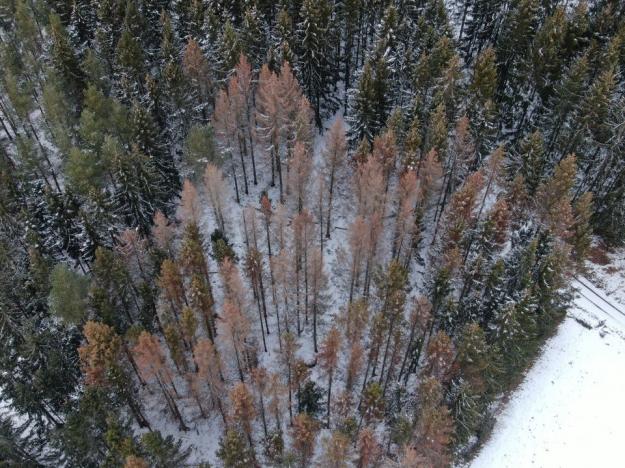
{"type": "Point", "coordinates": [434, 427]}
{"type": "Point", "coordinates": [371, 205]}
{"type": "Point", "coordinates": [408, 198]}
{"type": "Point", "coordinates": [100, 353]}
{"type": "Point", "coordinates": [514, 47]}
{"type": "Point", "coordinates": [163, 451]}
{"type": "Point", "coordinates": [253, 35]}
{"type": "Point", "coordinates": [357, 241]}
{"type": "Point", "coordinates": [329, 360]}
{"type": "Point", "coordinates": [200, 150]}
{"type": "Point", "coordinates": [532, 160]}
{"type": "Point", "coordinates": [233, 115]}
{"type": "Point", "coordinates": [282, 267]}
{"type": "Point", "coordinates": [129, 60]}
{"type": "Point", "coordinates": [269, 120]}
{"type": "Point", "coordinates": [229, 50]}
{"type": "Point", "coordinates": [315, 53]}
{"type": "Point", "coordinates": [233, 451]}
{"type": "Point", "coordinates": [201, 298]}
{"type": "Point", "coordinates": [336, 450]}
{"type": "Point", "coordinates": [595, 109]}
{"type": "Point", "coordinates": [304, 432]}
{"type": "Point", "coordinates": [460, 213]}
{"type": "Point", "coordinates": [547, 57]}
{"type": "Point", "coordinates": [392, 296]}
{"type": "Point", "coordinates": [172, 287]}
{"type": "Point", "coordinates": [236, 330]}
{"type": "Point", "coordinates": [245, 82]}
{"type": "Point", "coordinates": [197, 71]}
{"type": "Point", "coordinates": [215, 187]}
{"type": "Point", "coordinates": [363, 120]}
{"type": "Point", "coordinates": [300, 167]}
{"type": "Point", "coordinates": [260, 381]}
{"type": "Point", "coordinates": [162, 231]}
{"type": "Point", "coordinates": [419, 321]}
{"type": "Point", "coordinates": [64, 59]}
{"type": "Point", "coordinates": [302, 127]}
{"type": "Point", "coordinates": [18, 447]}
{"type": "Point", "coordinates": [482, 110]}
{"type": "Point", "coordinates": [302, 238]}
{"type": "Point", "coordinates": [316, 300]}
{"type": "Point", "coordinates": [385, 151]}
{"type": "Point", "coordinates": [192, 257]}
{"type": "Point", "coordinates": [176, 344]}
{"type": "Point", "coordinates": [191, 18]}
{"type": "Point", "coordinates": [581, 235]}
{"type": "Point", "coordinates": [140, 187]}
{"type": "Point", "coordinates": [243, 410]}
{"type": "Point", "coordinates": [372, 403]}
{"type": "Point", "coordinates": [436, 134]}
{"type": "Point", "coordinates": [334, 155]}
{"type": "Point", "coordinates": [568, 95]}
{"type": "Point", "coordinates": [288, 361]}
{"type": "Point", "coordinates": [153, 367]}
{"type": "Point", "coordinates": [369, 448]}
{"type": "Point", "coordinates": [276, 392]}
{"type": "Point", "coordinates": [440, 356]}
{"type": "Point", "coordinates": [68, 294]}
{"type": "Point", "coordinates": [254, 270]}
{"type": "Point", "coordinates": [554, 198]}
{"type": "Point", "coordinates": [112, 290]}
{"type": "Point", "coordinates": [209, 366]}
{"type": "Point", "coordinates": [354, 364]}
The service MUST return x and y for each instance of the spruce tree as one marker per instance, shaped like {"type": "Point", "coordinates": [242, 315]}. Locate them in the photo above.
{"type": "Point", "coordinates": [363, 119]}
{"type": "Point", "coordinates": [65, 61]}
{"type": "Point", "coordinates": [315, 54]}
{"type": "Point", "coordinates": [233, 450]}
{"type": "Point", "coordinates": [162, 451]}
{"type": "Point", "coordinates": [68, 294]}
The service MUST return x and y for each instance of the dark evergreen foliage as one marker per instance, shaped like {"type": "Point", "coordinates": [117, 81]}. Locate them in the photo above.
{"type": "Point", "coordinates": [106, 106]}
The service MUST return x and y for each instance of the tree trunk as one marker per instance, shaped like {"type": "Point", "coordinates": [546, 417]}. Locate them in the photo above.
{"type": "Point", "coordinates": [261, 287]}
{"type": "Point", "coordinates": [260, 318]}
{"type": "Point", "coordinates": [172, 406]}
{"type": "Point", "coordinates": [238, 360]}
{"type": "Point", "coordinates": [290, 394]}
{"type": "Point", "coordinates": [262, 412]}
{"type": "Point", "coordinates": [133, 364]}
{"type": "Point", "coordinates": [330, 194]}
{"type": "Point", "coordinates": [329, 398]}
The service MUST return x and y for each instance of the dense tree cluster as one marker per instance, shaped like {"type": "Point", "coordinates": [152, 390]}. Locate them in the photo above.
{"type": "Point", "coordinates": [312, 231]}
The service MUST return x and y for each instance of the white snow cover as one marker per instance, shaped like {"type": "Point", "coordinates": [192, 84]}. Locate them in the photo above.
{"type": "Point", "coordinates": [569, 411]}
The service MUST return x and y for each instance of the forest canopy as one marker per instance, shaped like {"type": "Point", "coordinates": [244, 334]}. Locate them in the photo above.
{"type": "Point", "coordinates": [326, 232]}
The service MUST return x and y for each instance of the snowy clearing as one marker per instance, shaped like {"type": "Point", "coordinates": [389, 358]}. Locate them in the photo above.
{"type": "Point", "coordinates": [568, 412]}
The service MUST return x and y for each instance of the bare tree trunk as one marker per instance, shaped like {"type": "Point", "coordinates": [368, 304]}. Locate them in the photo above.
{"type": "Point", "coordinates": [297, 296]}
{"type": "Point", "coordinates": [172, 406]}
{"type": "Point", "coordinates": [261, 287]}
{"type": "Point", "coordinates": [329, 397]}
{"type": "Point", "coordinates": [247, 192]}
{"type": "Point", "coordinates": [290, 394]}
{"type": "Point", "coordinates": [234, 176]}
{"type": "Point", "coordinates": [133, 364]}
{"type": "Point", "coordinates": [262, 411]}
{"type": "Point", "coordinates": [260, 318]}
{"type": "Point", "coordinates": [273, 167]}
{"type": "Point", "coordinates": [391, 365]}
{"type": "Point", "coordinates": [238, 360]}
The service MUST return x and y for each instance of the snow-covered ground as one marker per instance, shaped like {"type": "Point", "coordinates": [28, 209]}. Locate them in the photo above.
{"type": "Point", "coordinates": [570, 409]}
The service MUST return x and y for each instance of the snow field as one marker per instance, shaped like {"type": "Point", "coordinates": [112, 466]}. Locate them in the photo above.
{"type": "Point", "coordinates": [569, 410]}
